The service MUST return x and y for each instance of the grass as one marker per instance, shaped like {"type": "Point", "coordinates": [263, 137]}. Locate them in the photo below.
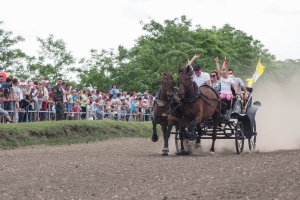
{"type": "Point", "coordinates": [69, 132]}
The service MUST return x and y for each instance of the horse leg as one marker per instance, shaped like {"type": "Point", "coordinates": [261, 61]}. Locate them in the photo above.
{"type": "Point", "coordinates": [198, 143]}
{"type": "Point", "coordinates": [191, 139]}
{"type": "Point", "coordinates": [154, 137]}
{"type": "Point", "coordinates": [181, 132]}
{"type": "Point", "coordinates": [166, 139]}
{"type": "Point", "coordinates": [214, 133]}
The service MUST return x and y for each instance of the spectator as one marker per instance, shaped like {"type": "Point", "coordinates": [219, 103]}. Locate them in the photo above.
{"type": "Point", "coordinates": [107, 109]}
{"type": "Point", "coordinates": [6, 91]}
{"type": "Point", "coordinates": [124, 108]}
{"type": "Point", "coordinates": [76, 107]}
{"type": "Point", "coordinates": [4, 113]}
{"type": "Point", "coordinates": [83, 104]}
{"type": "Point", "coordinates": [114, 90]}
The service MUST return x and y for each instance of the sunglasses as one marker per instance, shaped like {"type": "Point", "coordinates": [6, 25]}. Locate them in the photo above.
{"type": "Point", "coordinates": [212, 76]}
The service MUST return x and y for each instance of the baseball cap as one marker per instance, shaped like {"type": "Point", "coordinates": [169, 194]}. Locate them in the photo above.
{"type": "Point", "coordinates": [196, 68]}
{"type": "Point", "coordinates": [122, 98]}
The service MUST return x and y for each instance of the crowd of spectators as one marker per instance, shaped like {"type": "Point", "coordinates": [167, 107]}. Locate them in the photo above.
{"type": "Point", "coordinates": [32, 101]}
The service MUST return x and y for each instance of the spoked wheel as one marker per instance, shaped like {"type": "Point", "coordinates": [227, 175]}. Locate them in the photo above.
{"type": "Point", "coordinates": [239, 137]}
{"type": "Point", "coordinates": [228, 130]}
{"type": "Point", "coordinates": [252, 140]}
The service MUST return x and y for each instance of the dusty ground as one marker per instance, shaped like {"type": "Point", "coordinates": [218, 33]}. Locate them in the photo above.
{"type": "Point", "coordinates": [134, 169]}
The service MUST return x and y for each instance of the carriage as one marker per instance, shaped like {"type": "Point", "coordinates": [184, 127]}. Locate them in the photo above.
{"type": "Point", "coordinates": [241, 127]}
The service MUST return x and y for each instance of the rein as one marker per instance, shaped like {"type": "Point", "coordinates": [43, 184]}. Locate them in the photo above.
{"type": "Point", "coordinates": [197, 96]}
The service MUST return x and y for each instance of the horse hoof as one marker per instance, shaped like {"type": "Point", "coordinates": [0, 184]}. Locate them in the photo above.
{"type": "Point", "coordinates": [183, 153]}
{"type": "Point", "coordinates": [154, 139]}
{"type": "Point", "coordinates": [212, 153]}
{"type": "Point", "coordinates": [165, 149]}
{"type": "Point", "coordinates": [164, 153]}
{"type": "Point", "coordinates": [197, 145]}
{"type": "Point", "coordinates": [191, 143]}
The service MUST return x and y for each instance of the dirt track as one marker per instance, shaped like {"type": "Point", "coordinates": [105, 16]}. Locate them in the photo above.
{"type": "Point", "coordinates": [134, 169]}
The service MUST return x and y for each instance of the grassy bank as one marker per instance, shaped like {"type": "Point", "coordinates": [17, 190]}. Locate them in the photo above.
{"type": "Point", "coordinates": [68, 132]}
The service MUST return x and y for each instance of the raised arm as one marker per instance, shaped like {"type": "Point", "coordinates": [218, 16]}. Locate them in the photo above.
{"type": "Point", "coordinates": [217, 65]}
{"type": "Point", "coordinates": [193, 59]}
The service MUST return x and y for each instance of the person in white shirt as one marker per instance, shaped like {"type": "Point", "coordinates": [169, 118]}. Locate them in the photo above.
{"type": "Point", "coordinates": [199, 77]}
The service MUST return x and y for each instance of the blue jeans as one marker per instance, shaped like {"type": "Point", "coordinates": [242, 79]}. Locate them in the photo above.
{"type": "Point", "coordinates": [98, 112]}
{"type": "Point", "coordinates": [22, 117]}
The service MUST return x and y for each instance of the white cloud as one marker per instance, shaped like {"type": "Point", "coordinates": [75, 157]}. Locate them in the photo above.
{"type": "Point", "coordinates": [106, 24]}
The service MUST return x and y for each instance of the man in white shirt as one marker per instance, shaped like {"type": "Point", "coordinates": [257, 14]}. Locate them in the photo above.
{"type": "Point", "coordinates": [199, 77]}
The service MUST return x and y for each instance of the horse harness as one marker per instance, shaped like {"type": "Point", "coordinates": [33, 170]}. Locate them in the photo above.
{"type": "Point", "coordinates": [199, 95]}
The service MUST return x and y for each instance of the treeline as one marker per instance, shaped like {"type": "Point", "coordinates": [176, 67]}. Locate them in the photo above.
{"type": "Point", "coordinates": [165, 47]}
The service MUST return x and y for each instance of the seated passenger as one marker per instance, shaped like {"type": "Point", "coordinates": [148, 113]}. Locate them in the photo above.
{"type": "Point", "coordinates": [226, 84]}
{"type": "Point", "coordinates": [214, 81]}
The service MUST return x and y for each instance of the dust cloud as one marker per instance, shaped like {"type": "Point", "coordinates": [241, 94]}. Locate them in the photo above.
{"type": "Point", "coordinates": [277, 120]}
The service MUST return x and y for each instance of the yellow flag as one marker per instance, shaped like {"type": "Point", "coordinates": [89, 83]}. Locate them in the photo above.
{"type": "Point", "coordinates": [250, 82]}
{"type": "Point", "coordinates": [258, 72]}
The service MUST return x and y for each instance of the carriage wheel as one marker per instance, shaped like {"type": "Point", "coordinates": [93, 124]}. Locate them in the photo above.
{"type": "Point", "coordinates": [228, 133]}
{"type": "Point", "coordinates": [239, 137]}
{"type": "Point", "coordinates": [252, 140]}
{"type": "Point", "coordinates": [177, 143]}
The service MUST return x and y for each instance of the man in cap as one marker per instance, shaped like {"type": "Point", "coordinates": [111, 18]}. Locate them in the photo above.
{"type": "Point", "coordinates": [199, 77]}
{"type": "Point", "coordinates": [58, 99]}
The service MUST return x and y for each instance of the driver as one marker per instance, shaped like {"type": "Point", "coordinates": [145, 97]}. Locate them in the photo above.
{"type": "Point", "coordinates": [240, 86]}
{"type": "Point", "coordinates": [238, 83]}
{"type": "Point", "coordinates": [199, 77]}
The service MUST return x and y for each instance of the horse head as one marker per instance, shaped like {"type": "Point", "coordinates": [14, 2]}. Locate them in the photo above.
{"type": "Point", "coordinates": [184, 81]}
{"type": "Point", "coordinates": [167, 85]}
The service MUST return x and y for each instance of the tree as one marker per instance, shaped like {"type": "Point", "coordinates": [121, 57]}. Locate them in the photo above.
{"type": "Point", "coordinates": [54, 59]}
{"type": "Point", "coordinates": [10, 58]}
{"type": "Point", "coordinates": [97, 69]}
{"type": "Point", "coordinates": [166, 46]}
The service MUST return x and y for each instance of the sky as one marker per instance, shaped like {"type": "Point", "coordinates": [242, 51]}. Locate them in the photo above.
{"type": "Point", "coordinates": [99, 24]}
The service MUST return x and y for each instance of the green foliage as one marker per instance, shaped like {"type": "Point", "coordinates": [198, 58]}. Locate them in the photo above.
{"type": "Point", "coordinates": [68, 132]}
{"type": "Point", "coordinates": [54, 59]}
{"type": "Point", "coordinates": [10, 58]}
{"type": "Point", "coordinates": [97, 70]}
{"type": "Point", "coordinates": [171, 44]}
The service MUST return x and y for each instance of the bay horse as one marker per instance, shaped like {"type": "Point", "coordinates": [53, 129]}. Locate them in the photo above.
{"type": "Point", "coordinates": [198, 106]}
{"type": "Point", "coordinates": [161, 105]}
{"type": "Point", "coordinates": [174, 119]}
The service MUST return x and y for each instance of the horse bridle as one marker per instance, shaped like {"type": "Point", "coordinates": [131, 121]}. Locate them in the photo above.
{"type": "Point", "coordinates": [186, 87]}
{"type": "Point", "coordinates": [170, 87]}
